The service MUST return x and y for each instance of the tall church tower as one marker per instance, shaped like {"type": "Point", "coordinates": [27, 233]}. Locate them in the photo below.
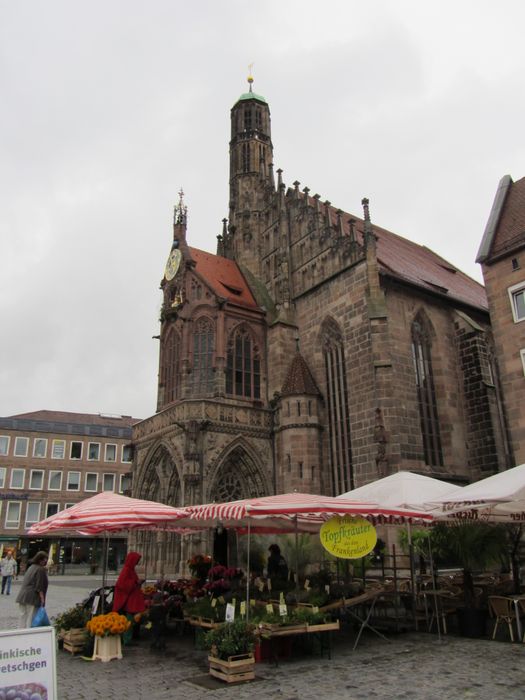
{"type": "Point", "coordinates": [251, 178]}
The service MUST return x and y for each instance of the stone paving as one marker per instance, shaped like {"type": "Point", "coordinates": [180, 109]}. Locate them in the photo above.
{"type": "Point", "coordinates": [410, 666]}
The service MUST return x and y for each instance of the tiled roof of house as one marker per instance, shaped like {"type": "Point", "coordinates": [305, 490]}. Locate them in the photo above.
{"type": "Point", "coordinates": [107, 419]}
{"type": "Point", "coordinates": [224, 277]}
{"type": "Point", "coordinates": [511, 226]}
{"type": "Point", "coordinates": [299, 379]}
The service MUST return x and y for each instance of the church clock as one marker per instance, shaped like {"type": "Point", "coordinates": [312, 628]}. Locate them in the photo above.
{"type": "Point", "coordinates": [172, 264]}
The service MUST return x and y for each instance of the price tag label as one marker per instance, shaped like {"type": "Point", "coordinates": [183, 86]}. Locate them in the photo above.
{"type": "Point", "coordinates": [315, 609]}
{"type": "Point", "coordinates": [327, 588]}
{"type": "Point", "coordinates": [252, 602]}
{"type": "Point", "coordinates": [243, 608]}
{"type": "Point", "coordinates": [230, 613]}
{"type": "Point", "coordinates": [283, 610]}
{"type": "Point", "coordinates": [307, 584]}
{"type": "Point", "coordinates": [221, 600]}
{"type": "Point", "coordinates": [261, 586]}
{"type": "Point", "coordinates": [234, 602]}
{"type": "Point", "coordinates": [213, 602]}
{"type": "Point", "coordinates": [281, 598]}
{"type": "Point", "coordinates": [269, 609]}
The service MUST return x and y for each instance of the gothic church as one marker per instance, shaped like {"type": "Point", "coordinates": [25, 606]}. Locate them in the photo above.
{"type": "Point", "coordinates": [315, 351]}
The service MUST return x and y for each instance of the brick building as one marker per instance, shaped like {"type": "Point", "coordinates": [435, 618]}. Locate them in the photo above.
{"type": "Point", "coordinates": [316, 351]}
{"type": "Point", "coordinates": [50, 460]}
{"type": "Point", "coordinates": [502, 258]}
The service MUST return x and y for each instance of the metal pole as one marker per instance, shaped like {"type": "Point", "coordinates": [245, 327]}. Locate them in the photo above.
{"type": "Point", "coordinates": [248, 576]}
{"type": "Point", "coordinates": [296, 553]}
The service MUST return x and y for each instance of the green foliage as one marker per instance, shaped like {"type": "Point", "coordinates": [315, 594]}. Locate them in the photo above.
{"type": "Point", "coordinates": [74, 618]}
{"type": "Point", "coordinates": [202, 607]}
{"type": "Point", "coordinates": [230, 639]}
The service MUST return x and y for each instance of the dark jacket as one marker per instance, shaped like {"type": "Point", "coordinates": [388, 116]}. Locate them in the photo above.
{"type": "Point", "coordinates": [128, 596]}
{"type": "Point", "coordinates": [34, 582]}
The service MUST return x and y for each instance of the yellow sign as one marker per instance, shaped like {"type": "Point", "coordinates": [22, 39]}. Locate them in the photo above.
{"type": "Point", "coordinates": [347, 537]}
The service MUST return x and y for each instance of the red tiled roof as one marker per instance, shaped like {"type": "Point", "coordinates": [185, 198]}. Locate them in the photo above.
{"type": "Point", "coordinates": [224, 277]}
{"type": "Point", "coordinates": [511, 225]}
{"type": "Point", "coordinates": [85, 418]}
{"type": "Point", "coordinates": [415, 264]}
{"type": "Point", "coordinates": [299, 379]}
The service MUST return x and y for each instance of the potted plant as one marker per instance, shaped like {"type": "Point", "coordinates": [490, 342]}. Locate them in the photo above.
{"type": "Point", "coordinates": [107, 630]}
{"type": "Point", "coordinates": [231, 647]}
{"type": "Point", "coordinates": [475, 547]}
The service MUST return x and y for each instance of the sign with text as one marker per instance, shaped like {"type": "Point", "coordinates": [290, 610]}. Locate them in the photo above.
{"type": "Point", "coordinates": [347, 537]}
{"type": "Point", "coordinates": [28, 664]}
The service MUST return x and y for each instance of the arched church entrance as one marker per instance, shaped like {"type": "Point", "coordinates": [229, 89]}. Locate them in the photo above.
{"type": "Point", "coordinates": [161, 550]}
{"type": "Point", "coordinates": [237, 477]}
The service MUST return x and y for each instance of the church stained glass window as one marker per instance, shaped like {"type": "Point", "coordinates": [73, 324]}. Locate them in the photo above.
{"type": "Point", "coordinates": [203, 347]}
{"type": "Point", "coordinates": [170, 366]}
{"type": "Point", "coordinates": [243, 366]}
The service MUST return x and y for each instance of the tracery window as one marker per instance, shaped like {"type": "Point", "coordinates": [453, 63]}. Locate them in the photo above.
{"type": "Point", "coordinates": [170, 369]}
{"type": "Point", "coordinates": [338, 412]}
{"type": "Point", "coordinates": [243, 366]}
{"type": "Point", "coordinates": [203, 342]}
{"type": "Point", "coordinates": [246, 157]}
{"type": "Point", "coordinates": [426, 393]}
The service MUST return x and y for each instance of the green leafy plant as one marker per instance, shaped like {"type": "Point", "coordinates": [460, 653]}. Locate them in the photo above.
{"type": "Point", "coordinates": [231, 639]}
{"type": "Point", "coordinates": [75, 617]}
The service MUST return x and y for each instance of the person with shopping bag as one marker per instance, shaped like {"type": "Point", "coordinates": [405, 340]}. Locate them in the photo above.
{"type": "Point", "coordinates": [32, 594]}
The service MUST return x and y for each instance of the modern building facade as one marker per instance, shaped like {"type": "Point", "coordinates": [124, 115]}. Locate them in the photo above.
{"type": "Point", "coordinates": [50, 460]}
{"type": "Point", "coordinates": [315, 351]}
{"type": "Point", "coordinates": [502, 258]}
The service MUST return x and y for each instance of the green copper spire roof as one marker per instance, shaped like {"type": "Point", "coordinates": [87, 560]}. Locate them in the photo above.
{"type": "Point", "coordinates": [251, 95]}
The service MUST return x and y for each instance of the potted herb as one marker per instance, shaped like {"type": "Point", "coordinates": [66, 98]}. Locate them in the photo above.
{"type": "Point", "coordinates": [71, 628]}
{"type": "Point", "coordinates": [231, 647]}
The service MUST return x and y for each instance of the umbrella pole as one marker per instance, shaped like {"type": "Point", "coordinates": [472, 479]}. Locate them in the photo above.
{"type": "Point", "coordinates": [296, 553]}
{"type": "Point", "coordinates": [412, 574]}
{"type": "Point", "coordinates": [432, 573]}
{"type": "Point", "coordinates": [248, 576]}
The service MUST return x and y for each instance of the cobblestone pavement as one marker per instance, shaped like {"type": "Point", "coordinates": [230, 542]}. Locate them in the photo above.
{"type": "Point", "coordinates": [410, 666]}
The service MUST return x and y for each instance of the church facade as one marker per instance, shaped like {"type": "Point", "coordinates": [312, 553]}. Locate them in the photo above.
{"type": "Point", "coordinates": [315, 351]}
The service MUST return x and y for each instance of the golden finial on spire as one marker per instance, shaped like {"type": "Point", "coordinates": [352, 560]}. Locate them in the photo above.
{"type": "Point", "coordinates": [250, 76]}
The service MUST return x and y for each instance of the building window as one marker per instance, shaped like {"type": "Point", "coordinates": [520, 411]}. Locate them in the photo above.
{"type": "Point", "coordinates": [75, 451]}
{"type": "Point", "coordinates": [94, 451]}
{"type": "Point", "coordinates": [243, 366]}
{"type": "Point", "coordinates": [125, 483]}
{"type": "Point", "coordinates": [111, 453]}
{"type": "Point", "coordinates": [12, 515]}
{"type": "Point", "coordinates": [68, 505]}
{"type": "Point", "coordinates": [247, 119]}
{"type": "Point", "coordinates": [4, 445]}
{"type": "Point", "coordinates": [73, 481]}
{"type": "Point", "coordinates": [108, 483]}
{"type": "Point", "coordinates": [127, 454]}
{"type": "Point", "coordinates": [2, 477]}
{"type": "Point", "coordinates": [517, 301]}
{"type": "Point", "coordinates": [338, 412]}
{"type": "Point", "coordinates": [36, 479]}
{"type": "Point", "coordinates": [40, 447]}
{"type": "Point", "coordinates": [170, 369]}
{"type": "Point", "coordinates": [55, 480]}
{"type": "Point", "coordinates": [21, 445]}
{"type": "Point", "coordinates": [91, 482]}
{"type": "Point", "coordinates": [17, 478]}
{"type": "Point", "coordinates": [202, 375]}
{"type": "Point", "coordinates": [52, 509]}
{"type": "Point", "coordinates": [246, 157]}
{"type": "Point", "coordinates": [32, 513]}
{"type": "Point", "coordinates": [59, 449]}
{"type": "Point", "coordinates": [426, 394]}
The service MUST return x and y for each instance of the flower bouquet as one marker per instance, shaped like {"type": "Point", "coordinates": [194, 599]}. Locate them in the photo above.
{"type": "Point", "coordinates": [107, 630]}
{"type": "Point", "coordinates": [199, 565]}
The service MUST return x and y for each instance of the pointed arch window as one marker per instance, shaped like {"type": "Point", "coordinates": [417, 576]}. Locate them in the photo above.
{"type": "Point", "coordinates": [170, 368]}
{"type": "Point", "coordinates": [338, 411]}
{"type": "Point", "coordinates": [203, 346]}
{"type": "Point", "coordinates": [243, 366]}
{"type": "Point", "coordinates": [246, 157]}
{"type": "Point", "coordinates": [426, 393]}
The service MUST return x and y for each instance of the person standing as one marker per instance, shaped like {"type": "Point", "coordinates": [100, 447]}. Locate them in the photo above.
{"type": "Point", "coordinates": [128, 598]}
{"type": "Point", "coordinates": [8, 569]}
{"type": "Point", "coordinates": [32, 594]}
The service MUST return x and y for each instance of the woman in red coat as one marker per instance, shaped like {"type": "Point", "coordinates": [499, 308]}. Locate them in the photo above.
{"type": "Point", "coordinates": [128, 598]}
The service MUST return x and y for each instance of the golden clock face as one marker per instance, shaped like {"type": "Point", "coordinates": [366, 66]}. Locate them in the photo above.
{"type": "Point", "coordinates": [173, 264]}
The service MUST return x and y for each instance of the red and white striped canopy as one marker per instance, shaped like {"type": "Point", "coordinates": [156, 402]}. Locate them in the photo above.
{"type": "Point", "coordinates": [310, 509]}
{"type": "Point", "coordinates": [110, 512]}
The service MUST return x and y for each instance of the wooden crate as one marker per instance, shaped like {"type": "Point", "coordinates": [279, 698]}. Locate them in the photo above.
{"type": "Point", "coordinates": [323, 627]}
{"type": "Point", "coordinates": [233, 670]}
{"type": "Point", "coordinates": [74, 640]}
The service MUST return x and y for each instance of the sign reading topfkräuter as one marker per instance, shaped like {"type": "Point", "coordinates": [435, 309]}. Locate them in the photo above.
{"type": "Point", "coordinates": [347, 537]}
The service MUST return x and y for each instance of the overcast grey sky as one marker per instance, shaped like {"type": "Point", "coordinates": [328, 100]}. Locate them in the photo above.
{"type": "Point", "coordinates": [109, 107]}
